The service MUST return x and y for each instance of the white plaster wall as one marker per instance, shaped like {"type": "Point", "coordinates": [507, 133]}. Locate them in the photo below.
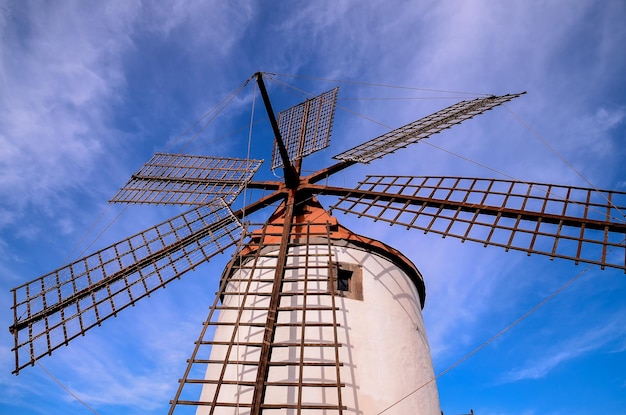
{"type": "Point", "coordinates": [387, 340]}
{"type": "Point", "coordinates": [385, 352]}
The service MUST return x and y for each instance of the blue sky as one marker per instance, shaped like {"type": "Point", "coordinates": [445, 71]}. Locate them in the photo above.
{"type": "Point", "coordinates": [90, 90]}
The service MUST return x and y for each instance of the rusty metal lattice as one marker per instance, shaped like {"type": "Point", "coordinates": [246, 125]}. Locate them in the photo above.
{"type": "Point", "coordinates": [306, 127]}
{"type": "Point", "coordinates": [229, 367]}
{"type": "Point", "coordinates": [55, 308]}
{"type": "Point", "coordinates": [187, 180]}
{"type": "Point", "coordinates": [422, 128]}
{"type": "Point", "coordinates": [579, 224]}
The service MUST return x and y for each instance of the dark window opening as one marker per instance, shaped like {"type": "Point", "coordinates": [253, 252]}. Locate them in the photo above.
{"type": "Point", "coordinates": [344, 277]}
{"type": "Point", "coordinates": [348, 280]}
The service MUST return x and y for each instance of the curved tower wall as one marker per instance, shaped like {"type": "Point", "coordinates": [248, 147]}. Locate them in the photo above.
{"type": "Point", "coordinates": [384, 354]}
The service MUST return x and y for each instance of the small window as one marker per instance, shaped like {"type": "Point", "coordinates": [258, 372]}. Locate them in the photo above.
{"type": "Point", "coordinates": [348, 280]}
{"type": "Point", "coordinates": [343, 279]}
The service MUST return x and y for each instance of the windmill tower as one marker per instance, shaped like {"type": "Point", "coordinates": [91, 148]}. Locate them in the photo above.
{"type": "Point", "coordinates": [290, 329]}
{"type": "Point", "coordinates": [294, 330]}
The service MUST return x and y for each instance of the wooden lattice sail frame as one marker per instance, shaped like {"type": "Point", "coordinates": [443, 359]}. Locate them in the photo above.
{"type": "Point", "coordinates": [582, 225]}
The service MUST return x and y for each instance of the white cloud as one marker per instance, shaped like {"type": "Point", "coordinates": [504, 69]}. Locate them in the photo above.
{"type": "Point", "coordinates": [593, 131]}
{"type": "Point", "coordinates": [466, 285]}
{"type": "Point", "coordinates": [601, 337]}
{"type": "Point", "coordinates": [65, 69]}
{"type": "Point", "coordinates": [212, 26]}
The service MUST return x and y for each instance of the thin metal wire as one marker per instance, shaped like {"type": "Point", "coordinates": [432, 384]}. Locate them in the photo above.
{"type": "Point", "coordinates": [217, 109]}
{"type": "Point", "coordinates": [560, 156]}
{"type": "Point", "coordinates": [66, 389]}
{"type": "Point", "coordinates": [378, 85]}
{"type": "Point", "coordinates": [243, 218]}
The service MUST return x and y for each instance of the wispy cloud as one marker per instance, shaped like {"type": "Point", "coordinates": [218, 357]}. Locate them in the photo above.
{"type": "Point", "coordinates": [610, 338]}
{"type": "Point", "coordinates": [194, 24]}
{"type": "Point", "coordinates": [65, 70]}
{"type": "Point", "coordinates": [464, 294]}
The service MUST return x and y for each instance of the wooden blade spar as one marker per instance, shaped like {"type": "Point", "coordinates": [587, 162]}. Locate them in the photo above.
{"type": "Point", "coordinates": [574, 223]}
{"type": "Point", "coordinates": [55, 308]}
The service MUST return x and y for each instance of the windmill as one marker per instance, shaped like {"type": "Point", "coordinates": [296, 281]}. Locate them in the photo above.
{"type": "Point", "coordinates": [288, 329]}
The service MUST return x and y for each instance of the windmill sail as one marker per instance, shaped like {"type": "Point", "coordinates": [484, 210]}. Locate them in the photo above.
{"type": "Point", "coordinates": [579, 224]}
{"type": "Point", "coordinates": [305, 128]}
{"type": "Point", "coordinates": [424, 127]}
{"type": "Point", "coordinates": [55, 308]}
{"type": "Point", "coordinates": [176, 179]}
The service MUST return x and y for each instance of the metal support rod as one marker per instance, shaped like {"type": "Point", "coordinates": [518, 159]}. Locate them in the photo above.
{"type": "Point", "coordinates": [291, 174]}
{"type": "Point", "coordinates": [268, 335]}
